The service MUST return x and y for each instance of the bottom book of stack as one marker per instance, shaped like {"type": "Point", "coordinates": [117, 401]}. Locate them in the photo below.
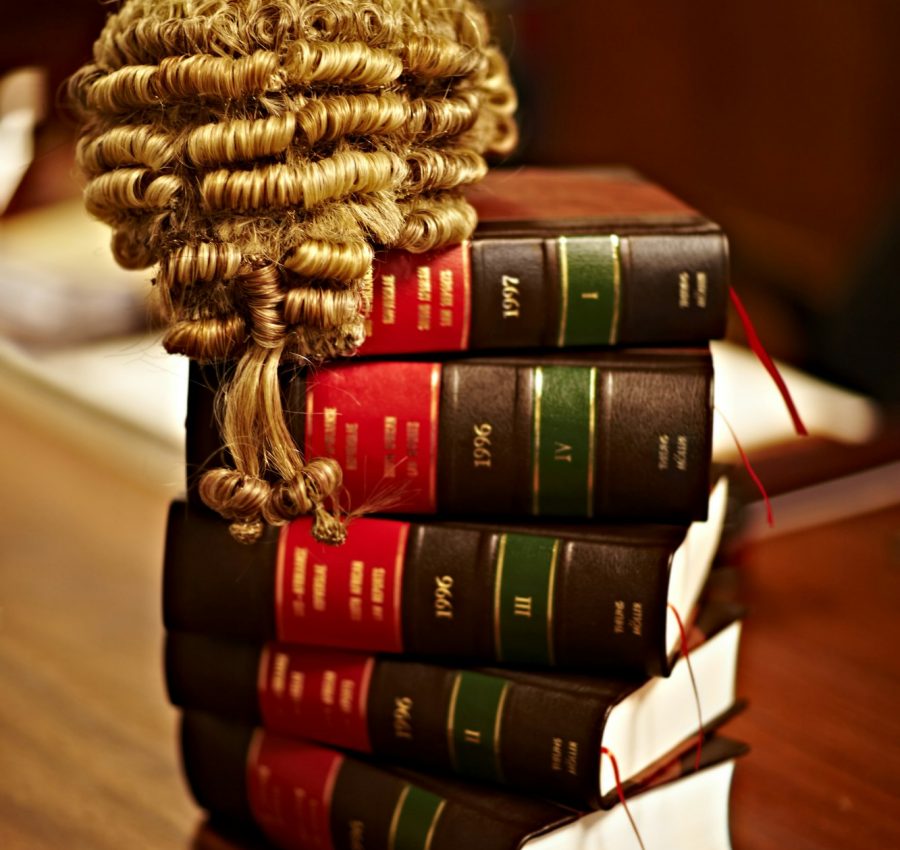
{"type": "Point", "coordinates": [303, 795]}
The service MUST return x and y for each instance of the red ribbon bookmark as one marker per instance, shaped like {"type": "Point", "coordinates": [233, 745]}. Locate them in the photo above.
{"type": "Point", "coordinates": [685, 653]}
{"type": "Point", "coordinates": [770, 518]}
{"type": "Point", "coordinates": [621, 792]}
{"type": "Point", "coordinates": [767, 362]}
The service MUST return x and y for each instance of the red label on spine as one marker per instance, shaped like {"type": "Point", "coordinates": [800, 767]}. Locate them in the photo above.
{"type": "Point", "coordinates": [420, 302]}
{"type": "Point", "coordinates": [290, 785]}
{"type": "Point", "coordinates": [349, 596]}
{"type": "Point", "coordinates": [380, 422]}
{"type": "Point", "coordinates": [316, 693]}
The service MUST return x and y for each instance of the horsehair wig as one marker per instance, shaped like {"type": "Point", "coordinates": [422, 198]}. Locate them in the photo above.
{"type": "Point", "coordinates": [257, 152]}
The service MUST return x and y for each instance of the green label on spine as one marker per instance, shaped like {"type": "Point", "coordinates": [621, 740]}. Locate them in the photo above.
{"type": "Point", "coordinates": [523, 598]}
{"type": "Point", "coordinates": [473, 726]}
{"type": "Point", "coordinates": [590, 286]}
{"type": "Point", "coordinates": [415, 817]}
{"type": "Point", "coordinates": [563, 434]}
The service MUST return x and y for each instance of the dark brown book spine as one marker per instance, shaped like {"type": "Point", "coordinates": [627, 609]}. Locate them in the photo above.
{"type": "Point", "coordinates": [607, 435]}
{"type": "Point", "coordinates": [579, 286]}
{"type": "Point", "coordinates": [548, 597]}
{"type": "Point", "coordinates": [302, 795]}
{"type": "Point", "coordinates": [530, 734]}
{"type": "Point", "coordinates": [598, 289]}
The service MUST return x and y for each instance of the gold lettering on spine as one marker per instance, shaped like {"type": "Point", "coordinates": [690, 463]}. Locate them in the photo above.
{"type": "Point", "coordinates": [563, 252]}
{"type": "Point", "coordinates": [562, 452]}
{"type": "Point", "coordinates": [388, 299]}
{"type": "Point", "coordinates": [556, 754]}
{"type": "Point", "coordinates": [522, 606]}
{"type": "Point", "coordinates": [320, 581]}
{"type": "Point", "coordinates": [472, 736]}
{"type": "Point", "coordinates": [279, 673]}
{"type": "Point", "coordinates": [619, 617]}
{"type": "Point", "coordinates": [498, 584]}
{"type": "Point", "coordinates": [395, 817]}
{"type": "Point", "coordinates": [592, 437]}
{"type": "Point", "coordinates": [536, 453]}
{"type": "Point", "coordinates": [614, 244]}
{"type": "Point", "coordinates": [446, 283]}
{"type": "Point", "coordinates": [572, 757]}
{"type": "Point", "coordinates": [662, 451]}
{"type": "Point", "coordinates": [403, 718]}
{"type": "Point", "coordinates": [446, 297]}
{"type": "Point", "coordinates": [351, 445]}
{"type": "Point", "coordinates": [390, 446]}
{"type": "Point", "coordinates": [684, 290]}
{"type": "Point", "coordinates": [378, 575]}
{"type": "Point", "coordinates": [636, 623]}
{"type": "Point", "coordinates": [298, 682]}
{"type": "Point", "coordinates": [412, 449]}
{"type": "Point", "coordinates": [357, 580]}
{"type": "Point", "coordinates": [702, 288]}
{"type": "Point", "coordinates": [681, 451]}
{"type": "Point", "coordinates": [423, 277]}
{"type": "Point", "coordinates": [329, 687]}
{"type": "Point", "coordinates": [347, 696]}
{"type": "Point", "coordinates": [424, 294]}
{"type": "Point", "coordinates": [356, 609]}
{"type": "Point", "coordinates": [357, 572]}
{"type": "Point", "coordinates": [378, 584]}
{"type": "Point", "coordinates": [330, 414]}
{"type": "Point", "coordinates": [564, 756]}
{"type": "Point", "coordinates": [423, 322]}
{"type": "Point", "coordinates": [298, 582]}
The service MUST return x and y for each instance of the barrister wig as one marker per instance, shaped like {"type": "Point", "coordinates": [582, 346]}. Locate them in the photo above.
{"type": "Point", "coordinates": [257, 152]}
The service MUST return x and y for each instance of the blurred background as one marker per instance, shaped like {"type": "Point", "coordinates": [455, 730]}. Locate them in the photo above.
{"type": "Point", "coordinates": [778, 120]}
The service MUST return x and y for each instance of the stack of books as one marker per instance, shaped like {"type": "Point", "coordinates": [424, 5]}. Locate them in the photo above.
{"type": "Point", "coordinates": [523, 643]}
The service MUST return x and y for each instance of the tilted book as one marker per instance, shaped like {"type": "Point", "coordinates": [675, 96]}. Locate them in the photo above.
{"type": "Point", "coordinates": [535, 732]}
{"type": "Point", "coordinates": [584, 597]}
{"type": "Point", "coordinates": [561, 258]}
{"type": "Point", "coordinates": [303, 795]}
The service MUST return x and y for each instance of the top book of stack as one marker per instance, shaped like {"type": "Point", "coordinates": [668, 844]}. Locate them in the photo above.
{"type": "Point", "coordinates": [560, 258]}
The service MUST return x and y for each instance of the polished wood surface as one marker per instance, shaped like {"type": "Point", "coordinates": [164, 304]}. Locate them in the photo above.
{"type": "Point", "coordinates": [87, 743]}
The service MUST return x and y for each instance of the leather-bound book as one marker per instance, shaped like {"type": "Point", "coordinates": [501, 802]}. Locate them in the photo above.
{"type": "Point", "coordinates": [620, 434]}
{"type": "Point", "coordinates": [561, 258]}
{"type": "Point", "coordinates": [581, 597]}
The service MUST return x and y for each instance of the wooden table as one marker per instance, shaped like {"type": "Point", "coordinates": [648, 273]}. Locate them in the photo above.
{"type": "Point", "coordinates": [87, 743]}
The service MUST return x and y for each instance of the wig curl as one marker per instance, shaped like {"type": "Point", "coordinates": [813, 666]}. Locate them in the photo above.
{"type": "Point", "coordinates": [257, 153]}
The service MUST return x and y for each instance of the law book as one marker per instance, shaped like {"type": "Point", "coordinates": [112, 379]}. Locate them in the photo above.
{"type": "Point", "coordinates": [585, 597]}
{"type": "Point", "coordinates": [532, 732]}
{"type": "Point", "coordinates": [304, 796]}
{"type": "Point", "coordinates": [622, 434]}
{"type": "Point", "coordinates": [561, 258]}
